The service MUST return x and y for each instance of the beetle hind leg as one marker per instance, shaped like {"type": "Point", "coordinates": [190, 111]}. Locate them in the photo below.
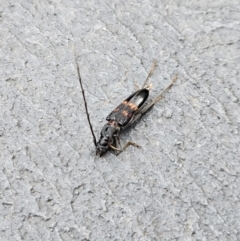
{"type": "Point", "coordinates": [146, 108]}
{"type": "Point", "coordinates": [159, 97]}
{"type": "Point", "coordinates": [154, 64]}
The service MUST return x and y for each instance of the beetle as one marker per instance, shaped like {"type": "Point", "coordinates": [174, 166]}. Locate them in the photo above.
{"type": "Point", "coordinates": [128, 112]}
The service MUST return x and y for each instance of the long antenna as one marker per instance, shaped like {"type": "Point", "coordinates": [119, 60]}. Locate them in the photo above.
{"type": "Point", "coordinates": [84, 98]}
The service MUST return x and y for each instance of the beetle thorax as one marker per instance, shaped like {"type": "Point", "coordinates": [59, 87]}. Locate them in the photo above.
{"type": "Point", "coordinates": [106, 138]}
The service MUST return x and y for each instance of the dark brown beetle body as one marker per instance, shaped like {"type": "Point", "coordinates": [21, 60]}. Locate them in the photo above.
{"type": "Point", "coordinates": [119, 118]}
{"type": "Point", "coordinates": [130, 110]}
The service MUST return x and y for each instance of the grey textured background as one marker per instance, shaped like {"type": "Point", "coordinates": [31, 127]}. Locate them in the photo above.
{"type": "Point", "coordinates": [183, 184]}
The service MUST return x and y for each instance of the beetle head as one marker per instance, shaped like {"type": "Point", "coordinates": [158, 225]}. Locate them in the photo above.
{"type": "Point", "coordinates": [106, 139]}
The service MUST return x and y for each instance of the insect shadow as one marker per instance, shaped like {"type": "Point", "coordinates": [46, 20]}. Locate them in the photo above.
{"type": "Point", "coordinates": [124, 115]}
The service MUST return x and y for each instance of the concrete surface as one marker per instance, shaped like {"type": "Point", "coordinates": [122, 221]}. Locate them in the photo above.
{"type": "Point", "coordinates": [183, 184]}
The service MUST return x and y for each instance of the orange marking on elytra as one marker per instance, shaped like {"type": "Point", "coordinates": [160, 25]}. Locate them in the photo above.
{"type": "Point", "coordinates": [125, 113]}
{"type": "Point", "coordinates": [132, 106]}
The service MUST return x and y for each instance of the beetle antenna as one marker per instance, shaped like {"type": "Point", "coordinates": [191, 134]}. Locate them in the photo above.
{"type": "Point", "coordinates": [84, 99]}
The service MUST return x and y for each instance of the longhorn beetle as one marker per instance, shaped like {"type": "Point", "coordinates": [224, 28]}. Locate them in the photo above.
{"type": "Point", "coordinates": [130, 110]}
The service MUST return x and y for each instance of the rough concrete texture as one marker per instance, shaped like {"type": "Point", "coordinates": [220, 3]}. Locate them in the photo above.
{"type": "Point", "coordinates": [183, 184]}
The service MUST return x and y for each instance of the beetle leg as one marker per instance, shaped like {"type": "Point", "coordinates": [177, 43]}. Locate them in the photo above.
{"type": "Point", "coordinates": [143, 110]}
{"type": "Point", "coordinates": [115, 148]}
{"type": "Point", "coordinates": [129, 143]}
{"type": "Point", "coordinates": [117, 142]}
{"type": "Point", "coordinates": [159, 97]}
{"type": "Point", "coordinates": [117, 151]}
{"type": "Point", "coordinates": [150, 72]}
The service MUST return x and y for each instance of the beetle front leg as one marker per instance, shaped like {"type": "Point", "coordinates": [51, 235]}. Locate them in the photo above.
{"type": "Point", "coordinates": [117, 151]}
{"type": "Point", "coordinates": [131, 143]}
{"type": "Point", "coordinates": [117, 142]}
